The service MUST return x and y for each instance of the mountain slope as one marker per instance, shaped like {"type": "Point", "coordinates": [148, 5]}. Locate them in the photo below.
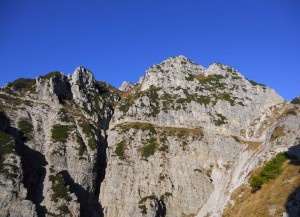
{"type": "Point", "coordinates": [177, 143]}
{"type": "Point", "coordinates": [189, 132]}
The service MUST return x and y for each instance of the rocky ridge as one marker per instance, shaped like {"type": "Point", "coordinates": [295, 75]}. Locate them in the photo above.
{"type": "Point", "coordinates": [177, 143]}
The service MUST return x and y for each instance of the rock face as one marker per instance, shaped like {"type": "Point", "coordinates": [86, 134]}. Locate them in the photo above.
{"type": "Point", "coordinates": [57, 133]}
{"type": "Point", "coordinates": [125, 86]}
{"type": "Point", "coordinates": [184, 131]}
{"type": "Point", "coordinates": [177, 143]}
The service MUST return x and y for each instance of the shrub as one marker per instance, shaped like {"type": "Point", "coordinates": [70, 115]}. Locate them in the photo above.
{"type": "Point", "coordinates": [25, 128]}
{"type": "Point", "coordinates": [149, 149]}
{"type": "Point", "coordinates": [143, 209]}
{"type": "Point", "coordinates": [87, 129]}
{"type": "Point", "coordinates": [60, 191]}
{"type": "Point", "coordinates": [22, 84]}
{"type": "Point", "coordinates": [82, 147]}
{"type": "Point", "coordinates": [120, 149]}
{"type": "Point", "coordinates": [63, 115]}
{"type": "Point", "coordinates": [50, 75]}
{"type": "Point", "coordinates": [269, 171]}
{"type": "Point", "coordinates": [144, 199]}
{"type": "Point", "coordinates": [220, 120]}
{"type": "Point", "coordinates": [278, 132]}
{"type": "Point", "coordinates": [7, 147]}
{"type": "Point", "coordinates": [165, 195]}
{"type": "Point", "coordinates": [189, 77]}
{"type": "Point", "coordinates": [150, 127]}
{"type": "Point", "coordinates": [63, 209]}
{"type": "Point", "coordinates": [291, 112]}
{"type": "Point", "coordinates": [296, 101]}
{"type": "Point", "coordinates": [254, 83]}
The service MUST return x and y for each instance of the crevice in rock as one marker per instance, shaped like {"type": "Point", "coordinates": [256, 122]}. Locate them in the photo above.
{"type": "Point", "coordinates": [85, 198]}
{"type": "Point", "coordinates": [33, 165]}
{"type": "Point", "coordinates": [100, 168]}
{"type": "Point", "coordinates": [34, 171]}
{"type": "Point", "coordinates": [161, 208]}
{"type": "Point", "coordinates": [89, 200]}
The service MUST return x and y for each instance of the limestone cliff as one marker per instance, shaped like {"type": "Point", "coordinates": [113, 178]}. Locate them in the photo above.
{"type": "Point", "coordinates": [177, 143]}
{"type": "Point", "coordinates": [54, 159]}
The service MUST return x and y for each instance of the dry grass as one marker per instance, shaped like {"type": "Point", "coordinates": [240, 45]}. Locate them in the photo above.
{"type": "Point", "coordinates": [180, 132]}
{"type": "Point", "coordinates": [201, 77]}
{"type": "Point", "coordinates": [250, 145]}
{"type": "Point", "coordinates": [270, 200]}
{"type": "Point", "coordinates": [278, 132]}
{"type": "Point", "coordinates": [131, 91]}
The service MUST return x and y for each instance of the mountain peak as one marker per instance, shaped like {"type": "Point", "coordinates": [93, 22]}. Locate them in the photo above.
{"type": "Point", "coordinates": [83, 77]}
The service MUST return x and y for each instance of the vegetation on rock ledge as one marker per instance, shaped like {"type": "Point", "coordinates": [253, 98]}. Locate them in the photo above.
{"type": "Point", "coordinates": [60, 133]}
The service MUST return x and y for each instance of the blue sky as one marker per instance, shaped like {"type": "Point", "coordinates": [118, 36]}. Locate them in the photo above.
{"type": "Point", "coordinates": [118, 40]}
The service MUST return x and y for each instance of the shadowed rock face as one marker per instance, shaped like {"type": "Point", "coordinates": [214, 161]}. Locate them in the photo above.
{"type": "Point", "coordinates": [177, 143]}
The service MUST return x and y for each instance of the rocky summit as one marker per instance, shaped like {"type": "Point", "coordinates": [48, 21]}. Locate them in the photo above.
{"type": "Point", "coordinates": [182, 141]}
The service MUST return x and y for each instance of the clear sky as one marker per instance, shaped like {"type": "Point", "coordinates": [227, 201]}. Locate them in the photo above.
{"type": "Point", "coordinates": [119, 39]}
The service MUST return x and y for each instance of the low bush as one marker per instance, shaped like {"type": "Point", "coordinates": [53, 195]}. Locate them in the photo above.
{"type": "Point", "coordinates": [296, 101]}
{"type": "Point", "coordinates": [60, 191]}
{"type": "Point", "coordinates": [22, 84]}
{"type": "Point", "coordinates": [7, 147]}
{"type": "Point", "coordinates": [149, 149]}
{"type": "Point", "coordinates": [50, 75]}
{"type": "Point", "coordinates": [269, 171]}
{"type": "Point", "coordinates": [87, 129]}
{"type": "Point", "coordinates": [82, 146]}
{"type": "Point", "coordinates": [120, 149]}
{"type": "Point", "coordinates": [26, 128]}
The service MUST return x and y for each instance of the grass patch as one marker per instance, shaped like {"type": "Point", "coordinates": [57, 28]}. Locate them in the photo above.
{"type": "Point", "coordinates": [60, 133]}
{"type": "Point", "coordinates": [269, 171]}
{"type": "Point", "coordinates": [138, 126]}
{"type": "Point", "coordinates": [163, 132]}
{"type": "Point", "coordinates": [273, 195]}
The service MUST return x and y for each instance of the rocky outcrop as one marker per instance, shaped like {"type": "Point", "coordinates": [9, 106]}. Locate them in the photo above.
{"type": "Point", "coordinates": [177, 143]}
{"type": "Point", "coordinates": [125, 86]}
{"type": "Point", "coordinates": [62, 143]}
